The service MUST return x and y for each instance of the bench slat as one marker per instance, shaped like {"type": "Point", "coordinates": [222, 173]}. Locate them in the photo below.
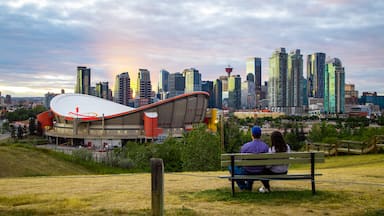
{"type": "Point", "coordinates": [270, 177]}
{"type": "Point", "coordinates": [271, 155]}
{"type": "Point", "coordinates": [225, 163]}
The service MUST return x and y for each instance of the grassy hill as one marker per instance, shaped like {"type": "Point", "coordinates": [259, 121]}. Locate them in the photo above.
{"type": "Point", "coordinates": [350, 185]}
{"type": "Point", "coordinates": [22, 161]}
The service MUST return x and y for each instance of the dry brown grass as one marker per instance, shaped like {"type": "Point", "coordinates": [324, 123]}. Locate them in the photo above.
{"type": "Point", "coordinates": [346, 190]}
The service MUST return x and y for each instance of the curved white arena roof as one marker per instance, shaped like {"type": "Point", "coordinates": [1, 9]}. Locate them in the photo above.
{"type": "Point", "coordinates": [85, 106]}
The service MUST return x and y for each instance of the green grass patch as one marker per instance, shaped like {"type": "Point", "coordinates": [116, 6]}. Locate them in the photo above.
{"type": "Point", "coordinates": [374, 212]}
{"type": "Point", "coordinates": [286, 196]}
{"type": "Point", "coordinates": [345, 161]}
{"type": "Point", "coordinates": [26, 160]}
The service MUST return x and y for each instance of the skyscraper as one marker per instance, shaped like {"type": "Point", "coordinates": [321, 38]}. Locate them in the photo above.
{"type": "Point", "coordinates": [315, 75]}
{"type": "Point", "coordinates": [351, 95]}
{"type": "Point", "coordinates": [144, 86]}
{"type": "Point", "coordinates": [224, 83]}
{"type": "Point", "coordinates": [122, 91]}
{"type": "Point", "coordinates": [334, 85]}
{"type": "Point", "coordinates": [254, 66]}
{"type": "Point", "coordinates": [192, 80]}
{"type": "Point", "coordinates": [162, 87]}
{"type": "Point", "coordinates": [277, 83]}
{"type": "Point", "coordinates": [102, 90]}
{"type": "Point", "coordinates": [234, 92]}
{"type": "Point", "coordinates": [218, 93]}
{"type": "Point", "coordinates": [176, 84]}
{"type": "Point", "coordinates": [83, 80]}
{"type": "Point", "coordinates": [294, 92]}
{"type": "Point", "coordinates": [251, 77]}
{"type": "Point", "coordinates": [248, 96]}
{"type": "Point", "coordinates": [207, 86]}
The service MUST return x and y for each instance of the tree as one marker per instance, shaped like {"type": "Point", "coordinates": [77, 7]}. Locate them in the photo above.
{"type": "Point", "coordinates": [13, 131]}
{"type": "Point", "coordinates": [232, 136]}
{"type": "Point", "coordinates": [170, 152]}
{"type": "Point", "coordinates": [32, 126]}
{"type": "Point", "coordinates": [380, 120]}
{"type": "Point", "coordinates": [19, 132]}
{"type": "Point", "coordinates": [39, 130]}
{"type": "Point", "coordinates": [200, 150]}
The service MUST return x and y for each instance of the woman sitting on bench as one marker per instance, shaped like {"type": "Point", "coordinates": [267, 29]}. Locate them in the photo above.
{"type": "Point", "coordinates": [277, 145]}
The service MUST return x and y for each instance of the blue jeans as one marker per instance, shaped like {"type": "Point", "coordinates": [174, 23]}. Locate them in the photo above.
{"type": "Point", "coordinates": [243, 184]}
{"type": "Point", "coordinates": [247, 184]}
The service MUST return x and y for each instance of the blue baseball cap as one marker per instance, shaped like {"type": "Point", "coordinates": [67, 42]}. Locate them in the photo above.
{"type": "Point", "coordinates": [256, 131]}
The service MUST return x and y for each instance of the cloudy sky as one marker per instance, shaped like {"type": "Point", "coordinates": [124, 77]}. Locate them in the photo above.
{"type": "Point", "coordinates": [42, 41]}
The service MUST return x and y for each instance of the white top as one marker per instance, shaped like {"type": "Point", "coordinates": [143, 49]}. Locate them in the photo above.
{"type": "Point", "coordinates": [85, 106]}
{"type": "Point", "coordinates": [279, 168]}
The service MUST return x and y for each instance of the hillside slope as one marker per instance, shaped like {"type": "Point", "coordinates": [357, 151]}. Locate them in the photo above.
{"type": "Point", "coordinates": [17, 161]}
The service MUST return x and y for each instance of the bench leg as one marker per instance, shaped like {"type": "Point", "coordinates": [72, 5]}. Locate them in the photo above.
{"type": "Point", "coordinates": [313, 173]}
{"type": "Point", "coordinates": [233, 187]}
{"type": "Point", "coordinates": [313, 186]}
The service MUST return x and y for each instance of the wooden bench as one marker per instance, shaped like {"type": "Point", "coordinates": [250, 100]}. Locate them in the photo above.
{"type": "Point", "coordinates": [245, 159]}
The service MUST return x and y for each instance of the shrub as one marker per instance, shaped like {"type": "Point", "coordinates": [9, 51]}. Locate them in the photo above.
{"type": "Point", "coordinates": [139, 153]}
{"type": "Point", "coordinates": [170, 152]}
{"type": "Point", "coordinates": [82, 155]}
{"type": "Point", "coordinates": [125, 163]}
{"type": "Point", "coordinates": [200, 150]}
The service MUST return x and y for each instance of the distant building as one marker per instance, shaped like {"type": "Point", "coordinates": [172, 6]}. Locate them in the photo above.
{"type": "Point", "coordinates": [144, 86]}
{"type": "Point", "coordinates": [285, 90]}
{"type": "Point", "coordinates": [8, 99]}
{"type": "Point", "coordinates": [315, 75]}
{"type": "Point", "coordinates": [162, 87]}
{"type": "Point", "coordinates": [192, 80]}
{"type": "Point", "coordinates": [102, 90]}
{"type": "Point", "coordinates": [224, 83]}
{"type": "Point", "coordinates": [47, 99]}
{"type": "Point", "coordinates": [122, 91]}
{"type": "Point", "coordinates": [351, 95]}
{"type": "Point", "coordinates": [334, 94]}
{"type": "Point", "coordinates": [294, 75]}
{"type": "Point", "coordinates": [218, 94]}
{"type": "Point", "coordinates": [315, 106]}
{"type": "Point", "coordinates": [264, 90]}
{"type": "Point", "coordinates": [176, 84]}
{"type": "Point", "coordinates": [83, 80]}
{"type": "Point", "coordinates": [250, 77]}
{"type": "Point", "coordinates": [277, 83]}
{"type": "Point", "coordinates": [234, 92]}
{"type": "Point", "coordinates": [253, 66]}
{"type": "Point", "coordinates": [304, 92]}
{"type": "Point", "coordinates": [92, 91]}
{"type": "Point", "coordinates": [248, 95]}
{"type": "Point", "coordinates": [98, 123]}
{"type": "Point", "coordinates": [372, 98]}
{"type": "Point", "coordinates": [207, 86]}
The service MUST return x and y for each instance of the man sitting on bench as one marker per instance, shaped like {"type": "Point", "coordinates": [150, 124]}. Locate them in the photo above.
{"type": "Point", "coordinates": [255, 146]}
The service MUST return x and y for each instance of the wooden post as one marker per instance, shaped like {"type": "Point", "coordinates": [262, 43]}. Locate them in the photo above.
{"type": "Point", "coordinates": [313, 173]}
{"type": "Point", "coordinates": [157, 173]}
{"type": "Point", "coordinates": [233, 174]}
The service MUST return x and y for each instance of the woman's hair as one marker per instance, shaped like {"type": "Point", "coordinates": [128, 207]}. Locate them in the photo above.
{"type": "Point", "coordinates": [278, 142]}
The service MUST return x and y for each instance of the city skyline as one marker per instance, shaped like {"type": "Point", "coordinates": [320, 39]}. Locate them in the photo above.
{"type": "Point", "coordinates": [43, 42]}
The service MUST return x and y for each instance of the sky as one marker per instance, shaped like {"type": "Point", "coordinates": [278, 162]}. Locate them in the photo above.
{"type": "Point", "coordinates": [42, 42]}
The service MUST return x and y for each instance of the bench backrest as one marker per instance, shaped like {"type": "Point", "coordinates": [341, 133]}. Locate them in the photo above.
{"type": "Point", "coordinates": [246, 159]}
